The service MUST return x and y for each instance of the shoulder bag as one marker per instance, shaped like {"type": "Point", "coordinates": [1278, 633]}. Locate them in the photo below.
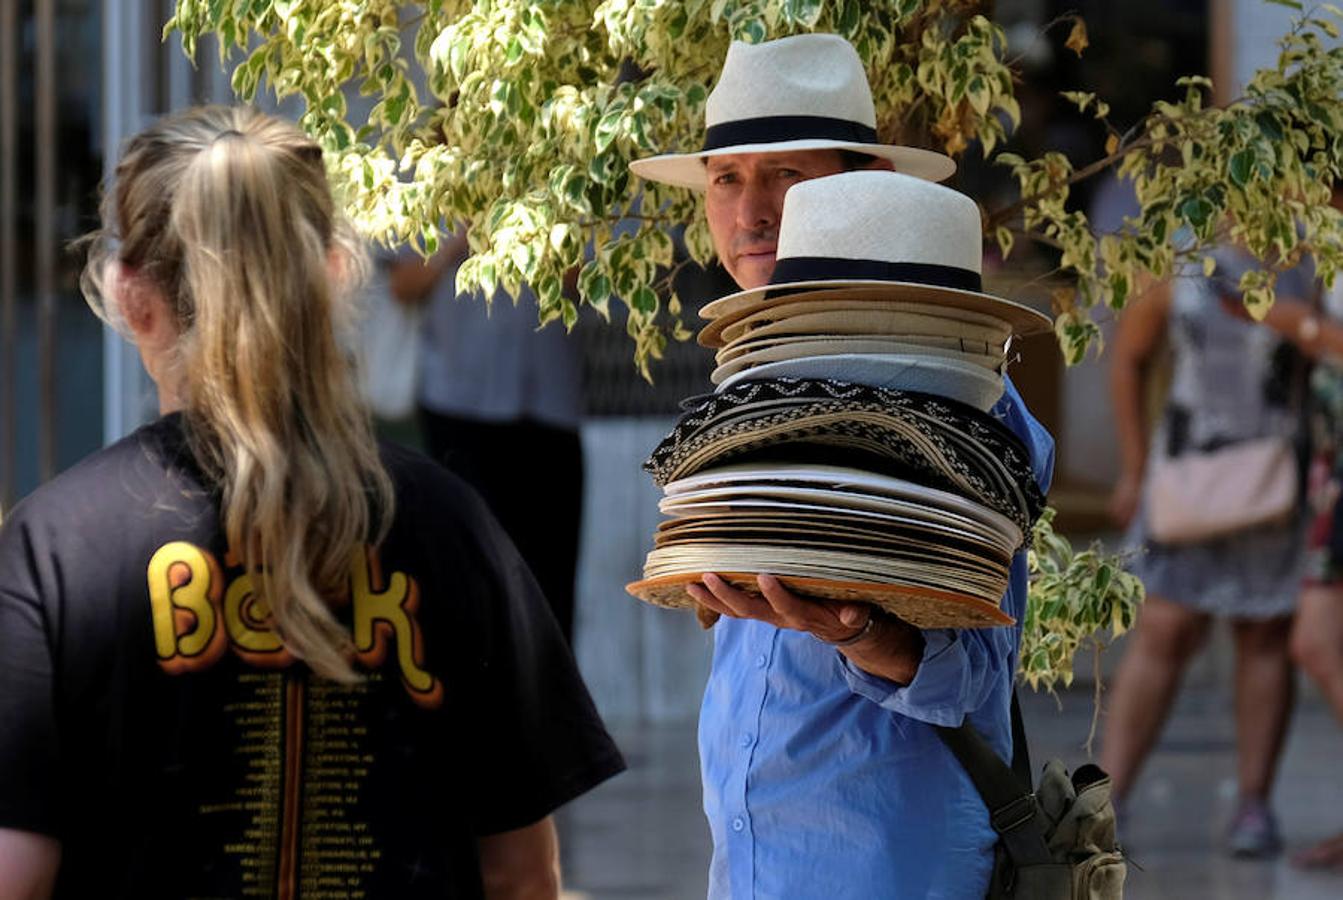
{"type": "Point", "coordinates": [1056, 843]}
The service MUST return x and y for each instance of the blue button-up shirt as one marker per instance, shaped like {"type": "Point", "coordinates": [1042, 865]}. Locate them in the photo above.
{"type": "Point", "coordinates": [821, 781]}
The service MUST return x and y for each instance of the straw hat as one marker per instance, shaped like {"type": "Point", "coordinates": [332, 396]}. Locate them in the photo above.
{"type": "Point", "coordinates": [874, 235]}
{"type": "Point", "coordinates": [941, 444]}
{"type": "Point", "coordinates": [806, 92]}
{"type": "Point", "coordinates": [933, 558]}
{"type": "Point", "coordinates": [726, 329]}
{"type": "Point", "coordinates": [857, 320]}
{"type": "Point", "coordinates": [963, 382]}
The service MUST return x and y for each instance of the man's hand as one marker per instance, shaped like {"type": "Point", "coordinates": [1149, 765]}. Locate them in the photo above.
{"type": "Point", "coordinates": [889, 649]}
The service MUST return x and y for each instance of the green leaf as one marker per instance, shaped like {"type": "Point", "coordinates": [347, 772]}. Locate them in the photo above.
{"type": "Point", "coordinates": [644, 299]}
{"type": "Point", "coordinates": [1101, 583]}
{"type": "Point", "coordinates": [1119, 288]}
{"type": "Point", "coordinates": [803, 12]}
{"type": "Point", "coordinates": [607, 129]}
{"type": "Point", "coordinates": [395, 108]}
{"type": "Point", "coordinates": [1241, 167]}
{"type": "Point", "coordinates": [1268, 125]}
{"type": "Point", "coordinates": [753, 32]}
{"type": "Point", "coordinates": [594, 286]}
{"type": "Point", "coordinates": [850, 12]}
{"type": "Point", "coordinates": [1196, 211]}
{"type": "Point", "coordinates": [676, 24]}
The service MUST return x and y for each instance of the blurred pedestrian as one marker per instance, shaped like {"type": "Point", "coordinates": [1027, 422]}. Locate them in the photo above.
{"type": "Point", "coordinates": [1317, 633]}
{"type": "Point", "coordinates": [246, 651]}
{"type": "Point", "coordinates": [1232, 383]}
{"type": "Point", "coordinates": [500, 402]}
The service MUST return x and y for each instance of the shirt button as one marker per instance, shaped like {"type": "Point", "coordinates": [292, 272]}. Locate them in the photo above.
{"type": "Point", "coordinates": [738, 823]}
{"type": "Point", "coordinates": [747, 739]}
{"type": "Point", "coordinates": [760, 661]}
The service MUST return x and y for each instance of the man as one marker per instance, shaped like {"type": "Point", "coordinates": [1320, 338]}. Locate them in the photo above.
{"type": "Point", "coordinates": [496, 394]}
{"type": "Point", "coordinates": [821, 773]}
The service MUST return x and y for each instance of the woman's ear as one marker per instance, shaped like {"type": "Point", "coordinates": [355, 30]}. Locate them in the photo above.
{"type": "Point", "coordinates": [139, 302]}
{"type": "Point", "coordinates": [147, 315]}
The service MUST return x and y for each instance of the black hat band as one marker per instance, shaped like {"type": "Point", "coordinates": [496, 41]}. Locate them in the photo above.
{"type": "Point", "coordinates": [775, 129]}
{"type": "Point", "coordinates": [795, 269]}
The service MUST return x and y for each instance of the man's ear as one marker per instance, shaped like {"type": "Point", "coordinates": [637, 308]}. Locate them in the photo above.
{"type": "Point", "coordinates": [880, 164]}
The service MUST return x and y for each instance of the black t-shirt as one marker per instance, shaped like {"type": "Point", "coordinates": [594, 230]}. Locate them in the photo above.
{"type": "Point", "coordinates": [151, 722]}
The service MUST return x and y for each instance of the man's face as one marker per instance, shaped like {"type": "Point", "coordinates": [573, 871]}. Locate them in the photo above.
{"type": "Point", "coordinates": [744, 201]}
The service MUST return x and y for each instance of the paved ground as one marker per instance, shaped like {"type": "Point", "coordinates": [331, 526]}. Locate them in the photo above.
{"type": "Point", "coordinates": [643, 835]}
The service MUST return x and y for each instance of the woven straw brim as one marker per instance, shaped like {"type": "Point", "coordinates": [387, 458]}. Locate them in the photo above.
{"type": "Point", "coordinates": [688, 169]}
{"type": "Point", "coordinates": [1023, 320]}
{"type": "Point", "coordinates": [922, 607]}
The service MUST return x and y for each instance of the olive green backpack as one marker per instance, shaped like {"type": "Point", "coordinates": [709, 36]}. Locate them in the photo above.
{"type": "Point", "coordinates": [1056, 843]}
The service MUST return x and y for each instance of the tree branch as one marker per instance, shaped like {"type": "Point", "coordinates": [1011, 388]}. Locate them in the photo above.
{"type": "Point", "coordinates": [1005, 214]}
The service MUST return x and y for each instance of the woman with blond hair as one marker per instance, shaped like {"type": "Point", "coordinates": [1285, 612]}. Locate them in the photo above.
{"type": "Point", "coordinates": [246, 651]}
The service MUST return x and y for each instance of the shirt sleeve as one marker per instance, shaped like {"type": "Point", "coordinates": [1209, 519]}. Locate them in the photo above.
{"type": "Point", "coordinates": [961, 668]}
{"type": "Point", "coordinates": [28, 736]}
{"type": "Point", "coordinates": [539, 742]}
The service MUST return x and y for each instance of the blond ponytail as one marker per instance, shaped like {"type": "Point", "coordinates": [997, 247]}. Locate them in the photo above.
{"type": "Point", "coordinates": [229, 212]}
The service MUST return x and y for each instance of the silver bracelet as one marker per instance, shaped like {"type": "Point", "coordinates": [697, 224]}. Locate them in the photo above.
{"type": "Point", "coordinates": [862, 633]}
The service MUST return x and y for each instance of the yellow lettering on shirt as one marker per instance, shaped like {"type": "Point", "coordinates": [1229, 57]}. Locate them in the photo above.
{"type": "Point", "coordinates": [185, 584]}
{"type": "Point", "coordinates": [247, 618]}
{"type": "Point", "coordinates": [384, 615]}
{"type": "Point", "coordinates": [196, 616]}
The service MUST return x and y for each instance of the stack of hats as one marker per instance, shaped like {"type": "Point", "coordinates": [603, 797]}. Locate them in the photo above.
{"type": "Point", "coordinates": [848, 448]}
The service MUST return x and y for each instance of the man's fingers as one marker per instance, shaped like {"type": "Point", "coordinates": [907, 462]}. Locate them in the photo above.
{"type": "Point", "coordinates": [780, 607]}
{"type": "Point", "coordinates": [722, 589]}
{"type": "Point", "coordinates": [797, 612]}
{"type": "Point", "coordinates": [784, 601]}
{"type": "Point", "coordinates": [739, 603]}
{"type": "Point", "coordinates": [706, 599]}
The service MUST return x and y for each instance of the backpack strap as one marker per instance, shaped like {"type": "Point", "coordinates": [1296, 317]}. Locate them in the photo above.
{"type": "Point", "coordinates": [1021, 751]}
{"type": "Point", "coordinates": [1013, 812]}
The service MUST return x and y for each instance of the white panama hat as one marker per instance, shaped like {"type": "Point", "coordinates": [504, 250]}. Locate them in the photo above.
{"type": "Point", "coordinates": [875, 235]}
{"type": "Point", "coordinates": [806, 92]}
